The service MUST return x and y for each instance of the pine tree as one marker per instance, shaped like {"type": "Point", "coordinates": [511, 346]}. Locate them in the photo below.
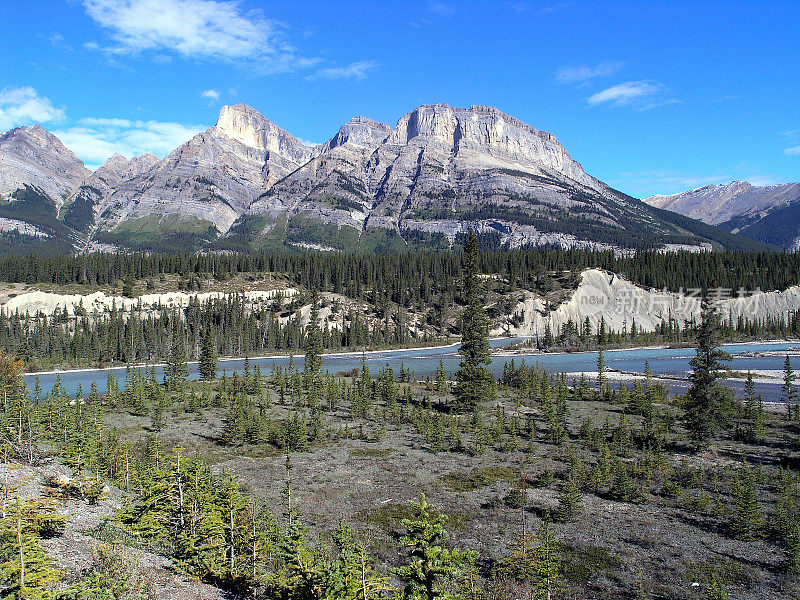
{"type": "Point", "coordinates": [547, 340]}
{"type": "Point", "coordinates": [302, 573]}
{"type": "Point", "coordinates": [474, 381]}
{"type": "Point", "coordinates": [536, 559]}
{"type": "Point", "coordinates": [429, 570]}
{"type": "Point", "coordinates": [789, 391]}
{"type": "Point", "coordinates": [601, 372]}
{"type": "Point", "coordinates": [623, 488]}
{"type": "Point", "coordinates": [707, 398]}
{"type": "Point", "coordinates": [570, 501]}
{"type": "Point", "coordinates": [349, 574]}
{"type": "Point", "coordinates": [747, 521]}
{"type": "Point", "coordinates": [208, 357]}
{"type": "Point", "coordinates": [176, 371]}
{"type": "Point", "coordinates": [754, 410]}
{"type": "Point", "coordinates": [313, 343]}
{"type": "Point", "coordinates": [26, 571]}
{"type": "Point", "coordinates": [716, 590]}
{"type": "Point", "coordinates": [791, 545]}
{"type": "Point", "coordinates": [601, 332]}
{"type": "Point", "coordinates": [441, 377]}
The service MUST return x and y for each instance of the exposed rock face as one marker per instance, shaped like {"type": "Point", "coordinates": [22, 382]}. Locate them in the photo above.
{"type": "Point", "coordinates": [359, 131]}
{"type": "Point", "coordinates": [117, 168]}
{"type": "Point", "coordinates": [91, 199]}
{"type": "Point", "coordinates": [22, 227]}
{"type": "Point", "coordinates": [246, 125]}
{"type": "Point", "coordinates": [32, 156]}
{"type": "Point", "coordinates": [439, 173]}
{"type": "Point", "coordinates": [486, 130]}
{"type": "Point", "coordinates": [215, 176]}
{"type": "Point", "coordinates": [444, 170]}
{"type": "Point", "coordinates": [768, 213]}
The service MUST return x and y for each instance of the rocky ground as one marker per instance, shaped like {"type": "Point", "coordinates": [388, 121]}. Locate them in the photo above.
{"type": "Point", "coordinates": [74, 550]}
{"type": "Point", "coordinates": [661, 542]}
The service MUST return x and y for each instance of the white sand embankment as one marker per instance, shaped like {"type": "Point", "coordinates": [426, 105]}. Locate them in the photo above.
{"type": "Point", "coordinates": [36, 302]}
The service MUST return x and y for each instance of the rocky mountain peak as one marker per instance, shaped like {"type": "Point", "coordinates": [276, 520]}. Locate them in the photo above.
{"type": "Point", "coordinates": [33, 156]}
{"type": "Point", "coordinates": [763, 213]}
{"type": "Point", "coordinates": [489, 131]}
{"type": "Point", "coordinates": [243, 123]}
{"type": "Point", "coordinates": [249, 127]}
{"type": "Point", "coordinates": [118, 166]}
{"type": "Point", "coordinates": [114, 162]}
{"type": "Point", "coordinates": [36, 135]}
{"type": "Point", "coordinates": [360, 131]}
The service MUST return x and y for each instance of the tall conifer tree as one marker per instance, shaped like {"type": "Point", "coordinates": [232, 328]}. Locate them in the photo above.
{"type": "Point", "coordinates": [707, 398]}
{"type": "Point", "coordinates": [208, 357]}
{"type": "Point", "coordinates": [474, 381]}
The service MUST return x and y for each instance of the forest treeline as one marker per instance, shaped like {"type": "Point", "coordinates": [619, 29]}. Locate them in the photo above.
{"type": "Point", "coordinates": [232, 325]}
{"type": "Point", "coordinates": [406, 278]}
{"type": "Point", "coordinates": [235, 327]}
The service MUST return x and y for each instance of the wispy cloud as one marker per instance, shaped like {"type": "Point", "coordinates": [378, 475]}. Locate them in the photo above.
{"type": "Point", "coordinates": [762, 180]}
{"type": "Point", "coordinates": [552, 8]}
{"type": "Point", "coordinates": [443, 9]}
{"type": "Point", "coordinates": [356, 70]}
{"type": "Point", "coordinates": [96, 139]}
{"type": "Point", "coordinates": [585, 73]}
{"type": "Point", "coordinates": [57, 40]}
{"type": "Point", "coordinates": [667, 182]}
{"type": "Point", "coordinates": [218, 29]}
{"type": "Point", "coordinates": [212, 95]}
{"type": "Point", "coordinates": [643, 94]}
{"type": "Point", "coordinates": [23, 106]}
{"type": "Point", "coordinates": [727, 98]}
{"type": "Point", "coordinates": [524, 6]}
{"type": "Point", "coordinates": [791, 136]}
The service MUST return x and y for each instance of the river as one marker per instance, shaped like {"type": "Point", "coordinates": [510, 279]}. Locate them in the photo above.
{"type": "Point", "coordinates": [668, 362]}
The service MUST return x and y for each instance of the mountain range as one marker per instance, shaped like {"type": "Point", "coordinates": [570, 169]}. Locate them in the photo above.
{"type": "Point", "coordinates": [769, 214]}
{"type": "Point", "coordinates": [247, 184]}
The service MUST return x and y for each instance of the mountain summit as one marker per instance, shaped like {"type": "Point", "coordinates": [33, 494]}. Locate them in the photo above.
{"type": "Point", "coordinates": [768, 214]}
{"type": "Point", "coordinates": [246, 183]}
{"type": "Point", "coordinates": [35, 157]}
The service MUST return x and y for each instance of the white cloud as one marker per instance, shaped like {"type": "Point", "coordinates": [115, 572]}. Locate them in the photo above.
{"type": "Point", "coordinates": [94, 140]}
{"type": "Point", "coordinates": [584, 73]}
{"type": "Point", "coordinates": [210, 94]}
{"type": "Point", "coordinates": [218, 29]}
{"type": "Point", "coordinates": [356, 70]}
{"type": "Point", "coordinates": [644, 94]}
{"type": "Point", "coordinates": [793, 151]}
{"type": "Point", "coordinates": [24, 106]}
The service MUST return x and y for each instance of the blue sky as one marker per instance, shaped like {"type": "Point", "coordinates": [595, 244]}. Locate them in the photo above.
{"type": "Point", "coordinates": [651, 97]}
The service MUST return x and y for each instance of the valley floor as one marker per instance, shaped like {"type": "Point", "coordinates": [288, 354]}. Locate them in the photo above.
{"type": "Point", "coordinates": [668, 533]}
